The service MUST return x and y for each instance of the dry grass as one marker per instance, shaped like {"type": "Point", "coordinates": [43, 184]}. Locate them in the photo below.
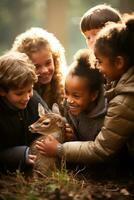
{"type": "Point", "coordinates": [58, 185]}
{"type": "Point", "coordinates": [63, 185]}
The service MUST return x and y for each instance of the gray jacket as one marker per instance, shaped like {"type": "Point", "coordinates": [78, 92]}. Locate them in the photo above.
{"type": "Point", "coordinates": [88, 124]}
{"type": "Point", "coordinates": [117, 130]}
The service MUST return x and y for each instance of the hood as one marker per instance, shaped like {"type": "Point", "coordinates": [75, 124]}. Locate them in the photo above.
{"type": "Point", "coordinates": [100, 108]}
{"type": "Point", "coordinates": [124, 85]}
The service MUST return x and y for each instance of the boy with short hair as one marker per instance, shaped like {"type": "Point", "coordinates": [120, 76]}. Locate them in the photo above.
{"type": "Point", "coordinates": [18, 109]}
{"type": "Point", "coordinates": [95, 19]}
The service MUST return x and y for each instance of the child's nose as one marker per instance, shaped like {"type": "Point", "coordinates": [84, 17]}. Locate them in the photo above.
{"type": "Point", "coordinates": [97, 65]}
{"type": "Point", "coordinates": [90, 42]}
{"type": "Point", "coordinates": [43, 69]}
{"type": "Point", "coordinates": [27, 96]}
{"type": "Point", "coordinates": [69, 100]}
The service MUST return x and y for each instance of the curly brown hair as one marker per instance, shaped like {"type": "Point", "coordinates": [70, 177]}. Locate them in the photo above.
{"type": "Point", "coordinates": [34, 40]}
{"type": "Point", "coordinates": [117, 39]}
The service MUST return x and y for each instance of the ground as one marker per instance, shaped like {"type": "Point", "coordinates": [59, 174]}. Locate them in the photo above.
{"type": "Point", "coordinates": [61, 185]}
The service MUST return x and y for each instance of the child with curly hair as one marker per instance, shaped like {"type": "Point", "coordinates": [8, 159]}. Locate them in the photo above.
{"type": "Point", "coordinates": [47, 54]}
{"type": "Point", "coordinates": [114, 50]}
{"type": "Point", "coordinates": [85, 104]}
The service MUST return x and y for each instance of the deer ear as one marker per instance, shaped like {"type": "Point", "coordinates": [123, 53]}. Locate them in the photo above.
{"type": "Point", "coordinates": [41, 110]}
{"type": "Point", "coordinates": [55, 108]}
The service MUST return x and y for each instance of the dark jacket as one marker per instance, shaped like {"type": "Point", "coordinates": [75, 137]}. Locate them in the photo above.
{"type": "Point", "coordinates": [88, 124]}
{"type": "Point", "coordinates": [14, 134]}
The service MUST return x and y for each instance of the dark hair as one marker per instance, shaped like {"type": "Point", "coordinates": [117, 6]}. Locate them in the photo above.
{"type": "Point", "coordinates": [84, 66]}
{"type": "Point", "coordinates": [118, 40]}
{"type": "Point", "coordinates": [97, 16]}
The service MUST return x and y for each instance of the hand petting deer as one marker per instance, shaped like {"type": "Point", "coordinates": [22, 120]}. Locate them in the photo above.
{"type": "Point", "coordinates": [49, 123]}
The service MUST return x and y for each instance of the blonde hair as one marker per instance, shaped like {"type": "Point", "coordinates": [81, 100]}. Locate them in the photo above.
{"type": "Point", "coordinates": [16, 71]}
{"type": "Point", "coordinates": [35, 39]}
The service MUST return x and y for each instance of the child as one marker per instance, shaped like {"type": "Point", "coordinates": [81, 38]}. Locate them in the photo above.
{"type": "Point", "coordinates": [95, 19]}
{"type": "Point", "coordinates": [85, 102]}
{"type": "Point", "coordinates": [114, 50]}
{"type": "Point", "coordinates": [18, 110]}
{"type": "Point", "coordinates": [47, 54]}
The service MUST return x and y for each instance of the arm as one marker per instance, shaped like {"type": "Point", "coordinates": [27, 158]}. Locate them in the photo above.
{"type": "Point", "coordinates": [15, 157]}
{"type": "Point", "coordinates": [117, 129]}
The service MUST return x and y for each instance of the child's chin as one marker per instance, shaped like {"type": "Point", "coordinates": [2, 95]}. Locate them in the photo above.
{"type": "Point", "coordinates": [22, 107]}
{"type": "Point", "coordinates": [74, 113]}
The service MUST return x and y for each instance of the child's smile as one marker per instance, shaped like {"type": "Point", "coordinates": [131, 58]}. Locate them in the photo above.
{"type": "Point", "coordinates": [44, 63]}
{"type": "Point", "coordinates": [77, 95]}
{"type": "Point", "coordinates": [19, 98]}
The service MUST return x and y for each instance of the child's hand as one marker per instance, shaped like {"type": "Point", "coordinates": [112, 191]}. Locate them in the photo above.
{"type": "Point", "coordinates": [69, 132]}
{"type": "Point", "coordinates": [31, 159]}
{"type": "Point", "coordinates": [48, 147]}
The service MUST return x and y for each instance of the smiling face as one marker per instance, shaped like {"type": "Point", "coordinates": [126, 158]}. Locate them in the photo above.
{"type": "Point", "coordinates": [90, 37]}
{"type": "Point", "coordinates": [112, 70]}
{"type": "Point", "coordinates": [19, 98]}
{"type": "Point", "coordinates": [77, 94]}
{"type": "Point", "coordinates": [43, 60]}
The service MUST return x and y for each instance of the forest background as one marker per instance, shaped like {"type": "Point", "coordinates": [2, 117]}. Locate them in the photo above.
{"type": "Point", "coordinates": [60, 17]}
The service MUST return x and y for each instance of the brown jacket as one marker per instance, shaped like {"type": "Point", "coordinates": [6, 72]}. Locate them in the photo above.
{"type": "Point", "coordinates": [118, 128]}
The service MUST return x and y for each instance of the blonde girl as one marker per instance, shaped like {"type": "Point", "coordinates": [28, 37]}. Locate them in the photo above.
{"type": "Point", "coordinates": [47, 54]}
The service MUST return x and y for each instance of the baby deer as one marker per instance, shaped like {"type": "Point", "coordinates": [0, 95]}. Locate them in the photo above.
{"type": "Point", "coordinates": [48, 123]}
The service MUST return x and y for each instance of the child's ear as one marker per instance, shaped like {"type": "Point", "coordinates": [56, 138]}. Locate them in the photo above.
{"type": "Point", "coordinates": [94, 96]}
{"type": "Point", "coordinates": [119, 62]}
{"type": "Point", "coordinates": [2, 92]}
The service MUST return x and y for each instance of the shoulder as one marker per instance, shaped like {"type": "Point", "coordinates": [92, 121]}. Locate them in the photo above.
{"type": "Point", "coordinates": [121, 110]}
{"type": "Point", "coordinates": [36, 99]}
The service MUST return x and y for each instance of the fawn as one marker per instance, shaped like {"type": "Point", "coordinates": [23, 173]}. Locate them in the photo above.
{"type": "Point", "coordinates": [48, 123]}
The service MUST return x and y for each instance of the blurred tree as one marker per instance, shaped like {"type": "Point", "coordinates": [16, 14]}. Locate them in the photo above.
{"type": "Point", "coordinates": [16, 16]}
{"type": "Point", "coordinates": [62, 17]}
{"type": "Point", "coordinates": [56, 14]}
{"type": "Point", "coordinates": [12, 17]}
{"type": "Point", "coordinates": [126, 6]}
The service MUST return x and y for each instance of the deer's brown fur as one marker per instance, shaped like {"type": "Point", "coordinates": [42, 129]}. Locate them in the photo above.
{"type": "Point", "coordinates": [49, 123]}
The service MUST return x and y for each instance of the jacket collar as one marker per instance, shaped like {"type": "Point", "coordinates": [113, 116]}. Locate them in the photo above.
{"type": "Point", "coordinates": [7, 106]}
{"type": "Point", "coordinates": [124, 85]}
{"type": "Point", "coordinates": [100, 108]}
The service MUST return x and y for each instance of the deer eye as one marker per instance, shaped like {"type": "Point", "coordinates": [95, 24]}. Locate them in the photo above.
{"type": "Point", "coordinates": [46, 122]}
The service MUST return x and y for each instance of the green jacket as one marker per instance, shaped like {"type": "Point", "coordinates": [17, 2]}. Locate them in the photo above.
{"type": "Point", "coordinates": [118, 129]}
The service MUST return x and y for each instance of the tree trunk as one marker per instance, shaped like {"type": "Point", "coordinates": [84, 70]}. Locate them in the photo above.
{"type": "Point", "coordinates": [126, 6]}
{"type": "Point", "coordinates": [56, 19]}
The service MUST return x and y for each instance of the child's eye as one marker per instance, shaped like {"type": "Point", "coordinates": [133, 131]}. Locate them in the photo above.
{"type": "Point", "coordinates": [98, 61]}
{"type": "Point", "coordinates": [77, 96]}
{"type": "Point", "coordinates": [19, 93]}
{"type": "Point", "coordinates": [37, 66]}
{"type": "Point", "coordinates": [48, 62]}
